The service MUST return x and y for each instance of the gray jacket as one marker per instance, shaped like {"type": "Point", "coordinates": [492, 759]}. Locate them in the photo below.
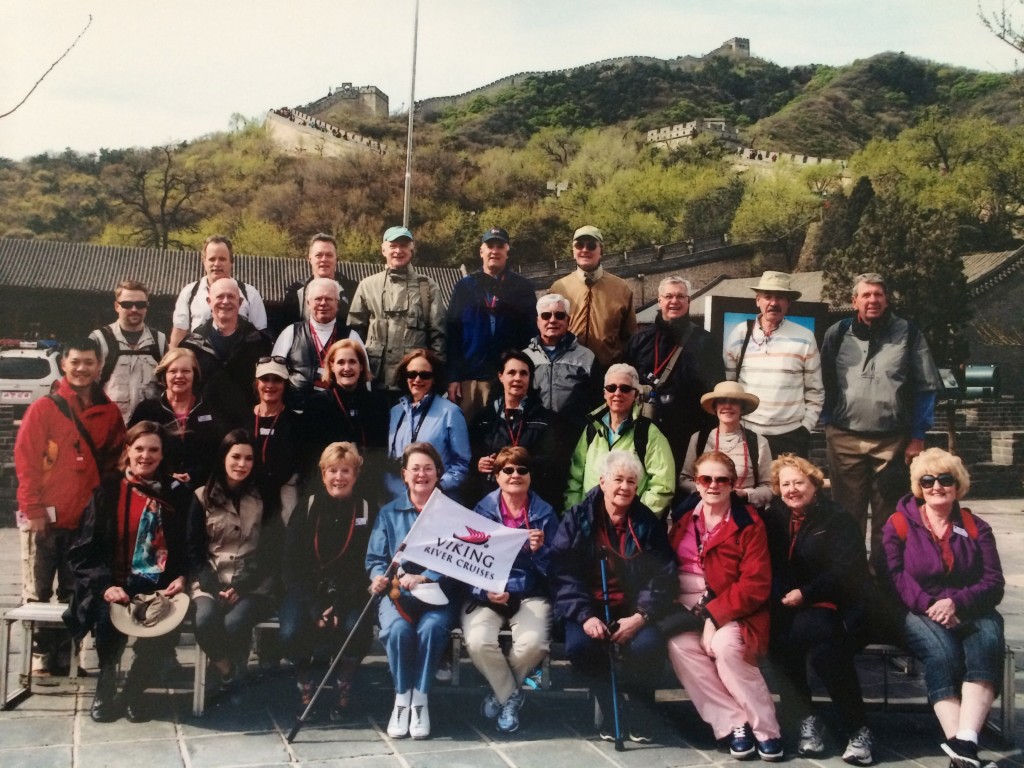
{"type": "Point", "coordinates": [389, 313]}
{"type": "Point", "coordinates": [565, 380]}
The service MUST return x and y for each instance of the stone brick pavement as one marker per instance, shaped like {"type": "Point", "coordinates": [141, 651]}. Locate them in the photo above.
{"type": "Point", "coordinates": [52, 727]}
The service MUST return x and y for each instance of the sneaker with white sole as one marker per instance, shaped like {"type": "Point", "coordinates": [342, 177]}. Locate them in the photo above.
{"type": "Point", "coordinates": [398, 725]}
{"type": "Point", "coordinates": [419, 720]}
{"type": "Point", "coordinates": [858, 750]}
{"type": "Point", "coordinates": [490, 707]}
{"type": "Point", "coordinates": [770, 750]}
{"type": "Point", "coordinates": [811, 742]}
{"type": "Point", "coordinates": [742, 744]}
{"type": "Point", "coordinates": [962, 753]}
{"type": "Point", "coordinates": [508, 718]}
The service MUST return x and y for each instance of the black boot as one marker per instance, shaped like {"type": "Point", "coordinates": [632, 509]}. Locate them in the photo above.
{"type": "Point", "coordinates": [132, 699]}
{"type": "Point", "coordinates": [105, 708]}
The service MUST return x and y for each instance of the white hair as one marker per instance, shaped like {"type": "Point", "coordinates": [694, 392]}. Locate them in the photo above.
{"type": "Point", "coordinates": [675, 280]}
{"type": "Point", "coordinates": [624, 369]}
{"type": "Point", "coordinates": [625, 459]}
{"type": "Point", "coordinates": [322, 283]}
{"type": "Point", "coordinates": [554, 298]}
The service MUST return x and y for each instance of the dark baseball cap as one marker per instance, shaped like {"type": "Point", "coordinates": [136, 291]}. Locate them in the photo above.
{"type": "Point", "coordinates": [494, 233]}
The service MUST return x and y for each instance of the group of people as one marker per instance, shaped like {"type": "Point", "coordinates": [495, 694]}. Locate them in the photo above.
{"type": "Point", "coordinates": [257, 476]}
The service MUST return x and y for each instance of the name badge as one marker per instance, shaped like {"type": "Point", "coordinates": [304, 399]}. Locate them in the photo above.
{"type": "Point", "coordinates": [206, 417]}
{"type": "Point", "coordinates": [320, 372]}
{"type": "Point", "coordinates": [959, 531]}
{"type": "Point", "coordinates": [266, 431]}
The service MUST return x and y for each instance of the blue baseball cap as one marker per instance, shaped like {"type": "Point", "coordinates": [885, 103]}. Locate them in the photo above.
{"type": "Point", "coordinates": [397, 233]}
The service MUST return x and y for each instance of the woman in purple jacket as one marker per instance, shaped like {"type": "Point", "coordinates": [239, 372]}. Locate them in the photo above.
{"type": "Point", "coordinates": [944, 565]}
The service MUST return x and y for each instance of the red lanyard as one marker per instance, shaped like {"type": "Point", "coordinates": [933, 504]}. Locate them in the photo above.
{"type": "Point", "coordinates": [514, 436]}
{"type": "Point", "coordinates": [659, 366]}
{"type": "Point", "coordinates": [264, 439]}
{"type": "Point", "coordinates": [742, 479]}
{"type": "Point", "coordinates": [348, 539]}
{"type": "Point", "coordinates": [506, 514]}
{"type": "Point", "coordinates": [704, 535]}
{"type": "Point", "coordinates": [321, 348]}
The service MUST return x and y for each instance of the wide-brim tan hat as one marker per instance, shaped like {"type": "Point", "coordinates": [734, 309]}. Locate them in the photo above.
{"type": "Point", "coordinates": [731, 390]}
{"type": "Point", "coordinates": [149, 615]}
{"type": "Point", "coordinates": [777, 282]}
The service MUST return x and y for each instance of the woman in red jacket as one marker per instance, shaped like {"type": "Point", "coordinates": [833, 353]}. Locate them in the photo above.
{"type": "Point", "coordinates": [725, 577]}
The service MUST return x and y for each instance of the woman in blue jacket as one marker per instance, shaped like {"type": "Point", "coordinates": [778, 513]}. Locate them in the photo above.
{"type": "Point", "coordinates": [524, 606]}
{"type": "Point", "coordinates": [425, 416]}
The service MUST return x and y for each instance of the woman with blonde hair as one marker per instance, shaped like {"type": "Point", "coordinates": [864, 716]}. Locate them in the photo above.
{"type": "Point", "coordinates": [945, 567]}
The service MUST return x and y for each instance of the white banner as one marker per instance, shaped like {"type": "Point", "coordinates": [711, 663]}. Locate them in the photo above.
{"type": "Point", "coordinates": [455, 541]}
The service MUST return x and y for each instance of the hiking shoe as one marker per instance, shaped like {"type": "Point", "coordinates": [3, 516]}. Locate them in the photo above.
{"type": "Point", "coordinates": [858, 751]}
{"type": "Point", "coordinates": [742, 744]}
{"type": "Point", "coordinates": [962, 753]}
{"type": "Point", "coordinates": [639, 734]}
{"type": "Point", "coordinates": [490, 708]}
{"type": "Point", "coordinates": [811, 741]}
{"type": "Point", "coordinates": [770, 750]}
{"type": "Point", "coordinates": [508, 718]}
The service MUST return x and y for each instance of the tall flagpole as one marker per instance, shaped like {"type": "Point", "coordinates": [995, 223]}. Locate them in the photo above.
{"type": "Point", "coordinates": [412, 113]}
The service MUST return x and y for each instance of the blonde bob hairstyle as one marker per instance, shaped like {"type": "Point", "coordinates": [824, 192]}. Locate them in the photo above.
{"type": "Point", "coordinates": [341, 453]}
{"type": "Point", "coordinates": [335, 348]}
{"type": "Point", "coordinates": [801, 465]}
{"type": "Point", "coordinates": [935, 461]}
{"type": "Point", "coordinates": [172, 356]}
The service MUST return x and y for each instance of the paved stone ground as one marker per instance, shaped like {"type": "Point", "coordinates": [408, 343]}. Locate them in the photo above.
{"type": "Point", "coordinates": [52, 727]}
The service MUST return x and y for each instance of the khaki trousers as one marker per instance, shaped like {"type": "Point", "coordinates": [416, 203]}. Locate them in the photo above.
{"type": "Point", "coordinates": [531, 630]}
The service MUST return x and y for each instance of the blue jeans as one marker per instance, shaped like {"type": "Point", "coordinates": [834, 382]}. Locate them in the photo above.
{"type": "Point", "coordinates": [973, 653]}
{"type": "Point", "coordinates": [302, 640]}
{"type": "Point", "coordinates": [414, 650]}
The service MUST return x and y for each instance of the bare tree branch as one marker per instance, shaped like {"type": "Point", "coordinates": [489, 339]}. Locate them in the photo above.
{"type": "Point", "coordinates": [48, 71]}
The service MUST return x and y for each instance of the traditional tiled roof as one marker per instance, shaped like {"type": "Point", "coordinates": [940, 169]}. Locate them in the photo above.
{"type": "Point", "coordinates": [98, 268]}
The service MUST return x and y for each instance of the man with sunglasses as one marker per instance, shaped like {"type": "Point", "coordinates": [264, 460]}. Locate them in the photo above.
{"type": "Point", "coordinates": [880, 386]}
{"type": "Point", "coordinates": [130, 349]}
{"type": "Point", "coordinates": [680, 362]}
{"type": "Point", "coordinates": [604, 317]}
{"type": "Point", "coordinates": [491, 310]}
{"type": "Point", "coordinates": [563, 368]}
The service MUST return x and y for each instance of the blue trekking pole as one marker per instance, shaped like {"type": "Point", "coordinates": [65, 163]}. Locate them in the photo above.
{"type": "Point", "coordinates": [619, 746]}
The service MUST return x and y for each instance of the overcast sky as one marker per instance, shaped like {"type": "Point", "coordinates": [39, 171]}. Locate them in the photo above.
{"type": "Point", "coordinates": [147, 73]}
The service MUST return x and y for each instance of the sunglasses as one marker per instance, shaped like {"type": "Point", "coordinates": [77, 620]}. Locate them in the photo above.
{"type": "Point", "coordinates": [556, 315]}
{"type": "Point", "coordinates": [424, 375]}
{"type": "Point", "coordinates": [946, 480]}
{"type": "Point", "coordinates": [133, 304]}
{"type": "Point", "coordinates": [624, 388]}
{"type": "Point", "coordinates": [272, 359]}
{"type": "Point", "coordinates": [708, 480]}
{"type": "Point", "coordinates": [585, 245]}
{"type": "Point", "coordinates": [516, 470]}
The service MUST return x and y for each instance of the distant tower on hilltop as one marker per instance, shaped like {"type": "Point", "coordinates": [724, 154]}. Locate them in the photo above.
{"type": "Point", "coordinates": [364, 100]}
{"type": "Point", "coordinates": [736, 47]}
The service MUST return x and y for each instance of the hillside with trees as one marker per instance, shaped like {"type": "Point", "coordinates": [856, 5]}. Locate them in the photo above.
{"type": "Point", "coordinates": [937, 136]}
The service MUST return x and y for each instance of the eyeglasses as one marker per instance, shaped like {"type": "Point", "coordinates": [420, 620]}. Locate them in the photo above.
{"type": "Point", "coordinates": [708, 480]}
{"type": "Point", "coordinates": [556, 315]}
{"type": "Point", "coordinates": [585, 245]}
{"type": "Point", "coordinates": [133, 304]}
{"type": "Point", "coordinates": [946, 480]}
{"type": "Point", "coordinates": [613, 388]}
{"type": "Point", "coordinates": [516, 470]}
{"type": "Point", "coordinates": [272, 359]}
{"type": "Point", "coordinates": [425, 375]}
{"type": "Point", "coordinates": [674, 297]}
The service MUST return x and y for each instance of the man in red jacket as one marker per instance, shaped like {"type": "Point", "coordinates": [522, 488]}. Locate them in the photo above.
{"type": "Point", "coordinates": [66, 442]}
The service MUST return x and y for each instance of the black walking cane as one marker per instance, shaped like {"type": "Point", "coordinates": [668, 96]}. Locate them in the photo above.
{"type": "Point", "coordinates": [301, 720]}
{"type": "Point", "coordinates": [619, 746]}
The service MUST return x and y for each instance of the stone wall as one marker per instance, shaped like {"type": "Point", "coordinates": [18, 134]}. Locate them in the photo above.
{"type": "Point", "coordinates": [304, 134]}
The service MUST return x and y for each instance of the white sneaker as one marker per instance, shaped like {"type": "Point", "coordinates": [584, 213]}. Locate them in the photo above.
{"type": "Point", "coordinates": [419, 725]}
{"type": "Point", "coordinates": [398, 725]}
{"type": "Point", "coordinates": [858, 751]}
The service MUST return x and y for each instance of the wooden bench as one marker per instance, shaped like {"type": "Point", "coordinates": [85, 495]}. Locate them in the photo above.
{"type": "Point", "coordinates": [31, 615]}
{"type": "Point", "coordinates": [199, 681]}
